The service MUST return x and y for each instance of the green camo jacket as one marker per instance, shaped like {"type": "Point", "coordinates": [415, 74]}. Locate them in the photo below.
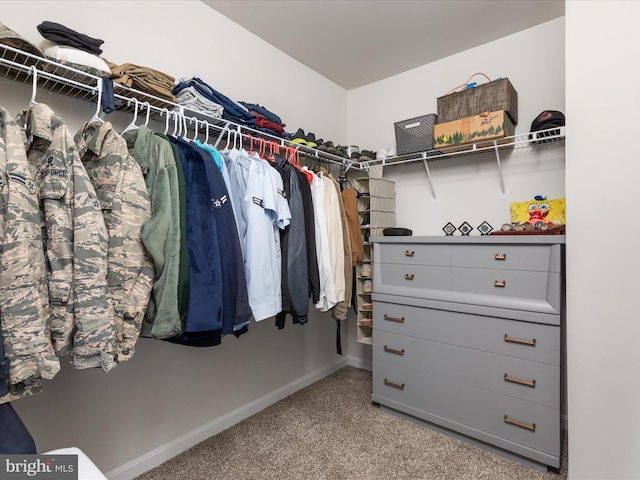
{"type": "Point", "coordinates": [24, 308]}
{"type": "Point", "coordinates": [82, 320]}
{"type": "Point", "coordinates": [126, 207]}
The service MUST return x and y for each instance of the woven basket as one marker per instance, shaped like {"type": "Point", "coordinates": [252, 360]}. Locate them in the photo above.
{"type": "Point", "coordinates": [415, 134]}
{"type": "Point", "coordinates": [488, 97]}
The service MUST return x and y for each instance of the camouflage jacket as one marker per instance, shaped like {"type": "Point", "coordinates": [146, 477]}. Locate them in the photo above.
{"type": "Point", "coordinates": [75, 243]}
{"type": "Point", "coordinates": [126, 207]}
{"type": "Point", "coordinates": [24, 307]}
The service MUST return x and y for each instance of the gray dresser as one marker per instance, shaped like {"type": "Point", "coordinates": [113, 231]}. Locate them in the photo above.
{"type": "Point", "coordinates": [467, 336]}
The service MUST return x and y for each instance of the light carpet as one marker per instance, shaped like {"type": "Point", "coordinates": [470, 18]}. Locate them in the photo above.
{"type": "Point", "coordinates": [331, 430]}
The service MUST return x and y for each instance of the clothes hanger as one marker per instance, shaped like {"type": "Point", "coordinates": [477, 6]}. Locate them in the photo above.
{"type": "Point", "coordinates": [195, 129]}
{"type": "Point", "coordinates": [206, 132]}
{"type": "Point", "coordinates": [34, 86]}
{"type": "Point", "coordinates": [222, 130]}
{"type": "Point", "coordinates": [146, 120]}
{"type": "Point", "coordinates": [34, 89]}
{"type": "Point", "coordinates": [166, 125]}
{"type": "Point", "coordinates": [132, 125]}
{"type": "Point", "coordinates": [96, 117]}
{"type": "Point", "coordinates": [175, 123]}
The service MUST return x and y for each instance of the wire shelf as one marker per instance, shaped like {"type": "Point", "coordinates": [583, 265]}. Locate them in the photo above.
{"type": "Point", "coordinates": [19, 67]}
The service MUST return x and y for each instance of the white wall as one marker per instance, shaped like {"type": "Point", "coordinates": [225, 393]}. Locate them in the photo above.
{"type": "Point", "coordinates": [168, 397]}
{"type": "Point", "coordinates": [602, 243]}
{"type": "Point", "coordinates": [468, 188]}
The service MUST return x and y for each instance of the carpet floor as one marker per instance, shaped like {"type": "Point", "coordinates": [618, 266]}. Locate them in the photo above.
{"type": "Point", "coordinates": [331, 430]}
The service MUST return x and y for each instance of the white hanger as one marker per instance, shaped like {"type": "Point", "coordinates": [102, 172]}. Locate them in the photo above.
{"type": "Point", "coordinates": [34, 87]}
{"type": "Point", "coordinates": [96, 117]}
{"type": "Point", "coordinates": [146, 120]}
{"type": "Point", "coordinates": [166, 125]}
{"type": "Point", "coordinates": [175, 123]}
{"type": "Point", "coordinates": [206, 131]}
{"type": "Point", "coordinates": [132, 125]}
{"type": "Point", "coordinates": [195, 130]}
{"type": "Point", "coordinates": [222, 130]}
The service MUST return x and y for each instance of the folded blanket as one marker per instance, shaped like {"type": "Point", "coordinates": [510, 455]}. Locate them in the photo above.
{"type": "Point", "coordinates": [144, 79]}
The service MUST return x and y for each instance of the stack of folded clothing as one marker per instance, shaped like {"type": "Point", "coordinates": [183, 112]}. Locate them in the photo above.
{"type": "Point", "coordinates": [15, 40]}
{"type": "Point", "coordinates": [233, 111]}
{"type": "Point", "coordinates": [145, 79]}
{"type": "Point", "coordinates": [73, 49]}
{"type": "Point", "coordinates": [266, 121]}
{"type": "Point", "coordinates": [193, 100]}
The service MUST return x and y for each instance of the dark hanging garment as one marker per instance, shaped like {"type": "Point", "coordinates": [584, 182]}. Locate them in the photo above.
{"type": "Point", "coordinates": [203, 326]}
{"type": "Point", "coordinates": [310, 237]}
{"type": "Point", "coordinates": [15, 439]}
{"type": "Point", "coordinates": [236, 311]}
{"type": "Point", "coordinates": [295, 244]}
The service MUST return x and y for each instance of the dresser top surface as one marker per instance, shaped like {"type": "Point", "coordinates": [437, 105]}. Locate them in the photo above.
{"type": "Point", "coordinates": [476, 240]}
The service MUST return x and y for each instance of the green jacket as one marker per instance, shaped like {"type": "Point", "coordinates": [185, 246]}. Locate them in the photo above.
{"type": "Point", "coordinates": [161, 233]}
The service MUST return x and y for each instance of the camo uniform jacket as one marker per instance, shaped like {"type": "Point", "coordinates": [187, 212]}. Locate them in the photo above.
{"type": "Point", "coordinates": [126, 207]}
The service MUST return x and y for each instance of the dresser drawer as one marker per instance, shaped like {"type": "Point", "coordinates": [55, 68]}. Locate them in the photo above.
{"type": "Point", "coordinates": [481, 413]}
{"type": "Point", "coordinates": [513, 338]}
{"type": "Point", "coordinates": [532, 381]}
{"type": "Point", "coordinates": [411, 279]}
{"type": "Point", "coordinates": [540, 258]}
{"type": "Point", "coordinates": [541, 288]}
{"type": "Point", "coordinates": [413, 254]}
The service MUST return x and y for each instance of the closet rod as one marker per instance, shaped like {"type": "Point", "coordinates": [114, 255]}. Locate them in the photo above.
{"type": "Point", "coordinates": [157, 104]}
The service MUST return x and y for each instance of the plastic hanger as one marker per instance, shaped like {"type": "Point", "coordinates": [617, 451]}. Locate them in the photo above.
{"type": "Point", "coordinates": [206, 132]}
{"type": "Point", "coordinates": [195, 130]}
{"type": "Point", "coordinates": [250, 144]}
{"type": "Point", "coordinates": [132, 125]}
{"type": "Point", "coordinates": [34, 86]}
{"type": "Point", "coordinates": [222, 130]}
{"type": "Point", "coordinates": [146, 120]}
{"type": "Point", "coordinates": [34, 90]}
{"type": "Point", "coordinates": [96, 117]}
{"type": "Point", "coordinates": [166, 125]}
{"type": "Point", "coordinates": [175, 123]}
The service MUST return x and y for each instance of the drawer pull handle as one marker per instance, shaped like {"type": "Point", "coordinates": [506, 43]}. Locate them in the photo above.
{"type": "Point", "coordinates": [394, 351]}
{"type": "Point", "coordinates": [507, 338]}
{"type": "Point", "coordinates": [502, 284]}
{"type": "Point", "coordinates": [399, 386]}
{"type": "Point", "coordinates": [408, 276]}
{"type": "Point", "coordinates": [531, 427]}
{"type": "Point", "coordinates": [501, 257]}
{"type": "Point", "coordinates": [408, 253]}
{"type": "Point", "coordinates": [531, 383]}
{"type": "Point", "coordinates": [394, 319]}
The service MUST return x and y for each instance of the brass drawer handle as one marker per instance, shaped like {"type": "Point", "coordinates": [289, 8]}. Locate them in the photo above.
{"type": "Point", "coordinates": [501, 284]}
{"type": "Point", "coordinates": [394, 319]}
{"type": "Point", "coordinates": [407, 253]}
{"type": "Point", "coordinates": [531, 383]}
{"type": "Point", "coordinates": [399, 386]}
{"type": "Point", "coordinates": [408, 276]}
{"type": "Point", "coordinates": [501, 257]}
{"type": "Point", "coordinates": [507, 338]}
{"type": "Point", "coordinates": [394, 351]}
{"type": "Point", "coordinates": [531, 427]}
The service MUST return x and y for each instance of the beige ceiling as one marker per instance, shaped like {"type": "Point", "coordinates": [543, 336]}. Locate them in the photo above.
{"type": "Point", "coordinates": [357, 42]}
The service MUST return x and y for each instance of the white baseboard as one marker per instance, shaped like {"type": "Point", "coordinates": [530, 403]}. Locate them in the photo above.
{"type": "Point", "coordinates": [182, 443]}
{"type": "Point", "coordinates": [359, 363]}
